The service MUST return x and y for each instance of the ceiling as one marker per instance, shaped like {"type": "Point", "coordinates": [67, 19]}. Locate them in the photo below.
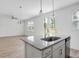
{"type": "Point", "coordinates": [30, 8]}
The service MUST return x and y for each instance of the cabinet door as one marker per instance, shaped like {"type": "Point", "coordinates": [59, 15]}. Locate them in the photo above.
{"type": "Point", "coordinates": [32, 52]}
{"type": "Point", "coordinates": [57, 45]}
{"type": "Point", "coordinates": [49, 56]}
{"type": "Point", "coordinates": [46, 53]}
{"type": "Point", "coordinates": [60, 52]}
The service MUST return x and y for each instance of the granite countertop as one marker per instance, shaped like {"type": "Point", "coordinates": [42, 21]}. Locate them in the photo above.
{"type": "Point", "coordinates": [39, 44]}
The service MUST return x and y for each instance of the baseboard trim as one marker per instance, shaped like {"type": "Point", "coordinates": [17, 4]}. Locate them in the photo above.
{"type": "Point", "coordinates": [74, 49]}
{"type": "Point", "coordinates": [12, 36]}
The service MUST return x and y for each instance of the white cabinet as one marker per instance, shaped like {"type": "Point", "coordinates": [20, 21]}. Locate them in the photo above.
{"type": "Point", "coordinates": [32, 52]}
{"type": "Point", "coordinates": [57, 45]}
{"type": "Point", "coordinates": [47, 52]}
{"type": "Point", "coordinates": [56, 51]}
{"type": "Point", "coordinates": [60, 52]}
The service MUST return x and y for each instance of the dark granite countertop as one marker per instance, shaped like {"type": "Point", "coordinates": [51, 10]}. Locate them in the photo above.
{"type": "Point", "coordinates": [39, 44]}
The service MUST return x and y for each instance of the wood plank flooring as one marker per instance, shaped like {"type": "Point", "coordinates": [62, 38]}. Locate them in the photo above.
{"type": "Point", "coordinates": [74, 53]}
{"type": "Point", "coordinates": [13, 47]}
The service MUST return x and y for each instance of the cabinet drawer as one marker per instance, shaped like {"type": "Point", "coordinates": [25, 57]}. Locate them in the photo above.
{"type": "Point", "coordinates": [47, 52]}
{"type": "Point", "coordinates": [60, 52]}
{"type": "Point", "coordinates": [57, 45]}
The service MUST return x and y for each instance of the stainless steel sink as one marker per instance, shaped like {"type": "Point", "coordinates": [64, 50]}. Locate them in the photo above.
{"type": "Point", "coordinates": [50, 38]}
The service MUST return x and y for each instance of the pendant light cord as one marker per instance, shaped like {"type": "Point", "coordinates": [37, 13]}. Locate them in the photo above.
{"type": "Point", "coordinates": [53, 7]}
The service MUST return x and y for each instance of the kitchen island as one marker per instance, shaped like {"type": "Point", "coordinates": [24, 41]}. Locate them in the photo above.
{"type": "Point", "coordinates": [35, 47]}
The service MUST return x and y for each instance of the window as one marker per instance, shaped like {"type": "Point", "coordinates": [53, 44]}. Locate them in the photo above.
{"type": "Point", "coordinates": [49, 26]}
{"type": "Point", "coordinates": [76, 20]}
{"type": "Point", "coordinates": [30, 26]}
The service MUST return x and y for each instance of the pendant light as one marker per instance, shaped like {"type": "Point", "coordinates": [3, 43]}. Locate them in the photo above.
{"type": "Point", "coordinates": [20, 8]}
{"type": "Point", "coordinates": [40, 6]}
{"type": "Point", "coordinates": [20, 3]}
{"type": "Point", "coordinates": [53, 7]}
{"type": "Point", "coordinates": [53, 26]}
{"type": "Point", "coordinates": [20, 21]}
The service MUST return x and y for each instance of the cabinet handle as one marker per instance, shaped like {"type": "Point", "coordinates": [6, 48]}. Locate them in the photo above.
{"type": "Point", "coordinates": [60, 52]}
{"type": "Point", "coordinates": [47, 53]}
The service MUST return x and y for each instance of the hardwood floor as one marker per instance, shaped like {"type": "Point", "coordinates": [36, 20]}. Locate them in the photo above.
{"type": "Point", "coordinates": [13, 47]}
{"type": "Point", "coordinates": [74, 53]}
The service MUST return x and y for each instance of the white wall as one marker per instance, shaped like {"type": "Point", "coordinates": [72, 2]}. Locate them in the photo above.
{"type": "Point", "coordinates": [9, 27]}
{"type": "Point", "coordinates": [63, 23]}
